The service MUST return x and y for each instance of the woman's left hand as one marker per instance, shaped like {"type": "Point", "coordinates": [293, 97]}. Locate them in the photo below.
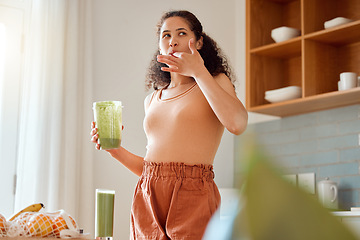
{"type": "Point", "coordinates": [187, 64]}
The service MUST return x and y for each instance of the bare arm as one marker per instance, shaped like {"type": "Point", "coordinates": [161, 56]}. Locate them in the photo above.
{"type": "Point", "coordinates": [222, 98]}
{"type": "Point", "coordinates": [218, 90]}
{"type": "Point", "coordinates": [131, 161]}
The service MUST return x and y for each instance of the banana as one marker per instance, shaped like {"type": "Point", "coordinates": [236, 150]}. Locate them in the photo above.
{"type": "Point", "coordinates": [32, 208]}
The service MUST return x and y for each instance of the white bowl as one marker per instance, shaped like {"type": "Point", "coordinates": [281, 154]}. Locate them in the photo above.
{"type": "Point", "coordinates": [336, 22]}
{"type": "Point", "coordinates": [283, 94]}
{"type": "Point", "coordinates": [281, 34]}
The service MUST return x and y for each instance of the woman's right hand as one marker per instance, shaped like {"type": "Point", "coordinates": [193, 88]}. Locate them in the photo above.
{"type": "Point", "coordinates": [94, 135]}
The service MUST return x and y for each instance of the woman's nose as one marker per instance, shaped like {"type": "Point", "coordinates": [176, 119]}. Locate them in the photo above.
{"type": "Point", "coordinates": [173, 43]}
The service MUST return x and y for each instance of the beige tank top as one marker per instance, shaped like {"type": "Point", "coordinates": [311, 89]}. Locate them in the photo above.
{"type": "Point", "coordinates": [183, 128]}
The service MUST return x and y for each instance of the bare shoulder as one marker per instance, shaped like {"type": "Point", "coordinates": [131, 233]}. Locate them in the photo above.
{"type": "Point", "coordinates": [148, 99]}
{"type": "Point", "coordinates": [225, 83]}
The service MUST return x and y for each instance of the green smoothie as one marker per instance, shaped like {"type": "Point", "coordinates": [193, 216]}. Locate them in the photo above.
{"type": "Point", "coordinates": [108, 119]}
{"type": "Point", "coordinates": [104, 218]}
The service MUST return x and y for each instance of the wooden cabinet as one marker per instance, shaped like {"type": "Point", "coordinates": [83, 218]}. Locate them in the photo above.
{"type": "Point", "coordinates": [312, 61]}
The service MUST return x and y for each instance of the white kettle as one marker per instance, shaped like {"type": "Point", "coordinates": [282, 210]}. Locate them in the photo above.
{"type": "Point", "coordinates": [328, 193]}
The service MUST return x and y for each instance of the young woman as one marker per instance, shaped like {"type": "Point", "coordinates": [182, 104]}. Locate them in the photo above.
{"type": "Point", "coordinates": [194, 100]}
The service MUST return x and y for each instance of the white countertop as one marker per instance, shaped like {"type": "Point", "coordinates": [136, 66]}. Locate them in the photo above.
{"type": "Point", "coordinates": [347, 213]}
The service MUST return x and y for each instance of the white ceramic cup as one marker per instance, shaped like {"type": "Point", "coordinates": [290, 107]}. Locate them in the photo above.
{"type": "Point", "coordinates": [347, 80]}
{"type": "Point", "coordinates": [340, 86]}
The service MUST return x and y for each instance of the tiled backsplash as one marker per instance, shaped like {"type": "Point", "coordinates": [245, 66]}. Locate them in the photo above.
{"type": "Point", "coordinates": [325, 142]}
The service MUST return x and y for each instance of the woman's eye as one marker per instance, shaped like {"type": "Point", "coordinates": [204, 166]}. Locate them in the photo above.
{"type": "Point", "coordinates": [166, 35]}
{"type": "Point", "coordinates": [182, 33]}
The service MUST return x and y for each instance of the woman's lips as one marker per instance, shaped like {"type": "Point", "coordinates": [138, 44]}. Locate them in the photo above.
{"type": "Point", "coordinates": [172, 54]}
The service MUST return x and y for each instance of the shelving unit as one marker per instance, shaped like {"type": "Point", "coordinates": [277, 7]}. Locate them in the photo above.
{"type": "Point", "coordinates": [312, 61]}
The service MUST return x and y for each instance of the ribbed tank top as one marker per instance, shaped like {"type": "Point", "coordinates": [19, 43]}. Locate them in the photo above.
{"type": "Point", "coordinates": [183, 128]}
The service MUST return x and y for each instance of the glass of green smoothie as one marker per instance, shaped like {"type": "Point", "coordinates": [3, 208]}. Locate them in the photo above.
{"type": "Point", "coordinates": [108, 119]}
{"type": "Point", "coordinates": [104, 214]}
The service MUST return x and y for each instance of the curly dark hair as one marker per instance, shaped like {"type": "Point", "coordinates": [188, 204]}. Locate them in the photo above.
{"type": "Point", "coordinates": [214, 60]}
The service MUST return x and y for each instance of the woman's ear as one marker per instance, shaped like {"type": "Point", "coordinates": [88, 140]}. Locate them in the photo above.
{"type": "Point", "coordinates": [200, 43]}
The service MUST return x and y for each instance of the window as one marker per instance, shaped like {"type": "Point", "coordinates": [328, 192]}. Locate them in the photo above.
{"type": "Point", "coordinates": [11, 35]}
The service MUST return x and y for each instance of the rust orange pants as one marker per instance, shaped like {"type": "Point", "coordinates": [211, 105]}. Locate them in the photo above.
{"type": "Point", "coordinates": [173, 201]}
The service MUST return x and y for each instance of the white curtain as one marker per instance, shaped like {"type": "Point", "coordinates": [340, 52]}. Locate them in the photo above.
{"type": "Point", "coordinates": [54, 152]}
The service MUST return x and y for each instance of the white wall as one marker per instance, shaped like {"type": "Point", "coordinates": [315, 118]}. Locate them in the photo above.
{"type": "Point", "coordinates": [124, 41]}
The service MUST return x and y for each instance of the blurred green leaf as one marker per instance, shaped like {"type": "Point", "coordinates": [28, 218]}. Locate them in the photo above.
{"type": "Point", "coordinates": [272, 208]}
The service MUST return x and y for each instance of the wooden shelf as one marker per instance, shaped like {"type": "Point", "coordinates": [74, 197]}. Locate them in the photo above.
{"type": "Point", "coordinates": [312, 61]}
{"type": "Point", "coordinates": [284, 49]}
{"type": "Point", "coordinates": [339, 35]}
{"type": "Point", "coordinates": [310, 104]}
